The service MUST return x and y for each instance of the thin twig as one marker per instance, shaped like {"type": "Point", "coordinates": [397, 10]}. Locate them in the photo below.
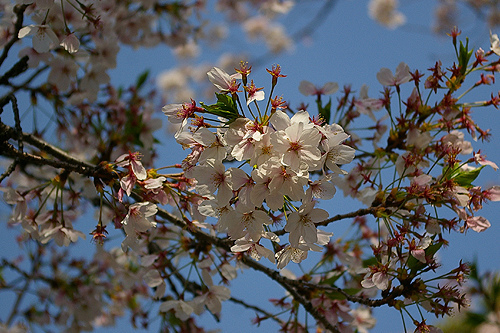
{"type": "Point", "coordinates": [19, 11]}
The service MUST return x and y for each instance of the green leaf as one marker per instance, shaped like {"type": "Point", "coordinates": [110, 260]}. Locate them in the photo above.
{"type": "Point", "coordinates": [142, 79]}
{"type": "Point", "coordinates": [331, 280]}
{"type": "Point", "coordinates": [464, 56]}
{"type": "Point", "coordinates": [339, 296]}
{"type": "Point", "coordinates": [465, 178]}
{"type": "Point", "coordinates": [370, 262]}
{"type": "Point", "coordinates": [474, 319]}
{"type": "Point", "coordinates": [325, 111]}
{"type": "Point", "coordinates": [225, 107]}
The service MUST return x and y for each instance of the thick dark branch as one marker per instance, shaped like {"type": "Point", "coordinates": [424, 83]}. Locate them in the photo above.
{"type": "Point", "coordinates": [65, 160]}
{"type": "Point", "coordinates": [10, 151]}
{"type": "Point", "coordinates": [388, 300]}
{"type": "Point", "coordinates": [19, 67]}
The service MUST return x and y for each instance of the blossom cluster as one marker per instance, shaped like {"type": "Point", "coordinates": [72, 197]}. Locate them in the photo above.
{"type": "Point", "coordinates": [282, 154]}
{"type": "Point", "coordinates": [78, 41]}
{"type": "Point", "coordinates": [256, 166]}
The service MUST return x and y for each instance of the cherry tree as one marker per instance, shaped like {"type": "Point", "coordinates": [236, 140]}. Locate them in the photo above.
{"type": "Point", "coordinates": [252, 190]}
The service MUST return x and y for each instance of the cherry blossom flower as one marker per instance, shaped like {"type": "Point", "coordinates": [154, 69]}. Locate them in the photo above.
{"type": "Point", "coordinates": [254, 93]}
{"type": "Point", "coordinates": [283, 179]}
{"type": "Point", "coordinates": [495, 43]}
{"type": "Point", "coordinates": [337, 154]}
{"type": "Point", "coordinates": [301, 224]}
{"type": "Point", "coordinates": [221, 212]}
{"type": "Point", "coordinates": [261, 191]}
{"type": "Point", "coordinates": [297, 145]}
{"type": "Point", "coordinates": [213, 176]}
{"type": "Point", "coordinates": [215, 146]}
{"type": "Point", "coordinates": [493, 193]}
{"type": "Point", "coordinates": [62, 72]}
{"type": "Point", "coordinates": [127, 183]}
{"type": "Point", "coordinates": [255, 250]}
{"type": "Point", "coordinates": [321, 188]}
{"type": "Point", "coordinates": [14, 197]}
{"type": "Point", "coordinates": [307, 88]}
{"type": "Point", "coordinates": [481, 159]}
{"type": "Point", "coordinates": [385, 12]}
{"type": "Point", "coordinates": [418, 251]}
{"type": "Point", "coordinates": [138, 218]}
{"type": "Point", "coordinates": [277, 39]}
{"type": "Point", "coordinates": [417, 138]}
{"type": "Point", "coordinates": [93, 78]}
{"type": "Point", "coordinates": [456, 139]}
{"type": "Point", "coordinates": [378, 279]}
{"type": "Point", "coordinates": [290, 253]}
{"type": "Point", "coordinates": [223, 81]}
{"type": "Point", "coordinates": [155, 186]}
{"type": "Point", "coordinates": [367, 105]}
{"type": "Point", "coordinates": [63, 236]}
{"type": "Point", "coordinates": [44, 38]}
{"type": "Point", "coordinates": [478, 223]}
{"type": "Point", "coordinates": [378, 275]}
{"type": "Point", "coordinates": [70, 43]}
{"type": "Point", "coordinates": [182, 309]}
{"type": "Point", "coordinates": [245, 221]}
{"type": "Point", "coordinates": [132, 160]}
{"type": "Point", "coordinates": [178, 113]}
{"type": "Point", "coordinates": [386, 78]}
{"type": "Point", "coordinates": [280, 120]}
{"type": "Point", "coordinates": [34, 57]}
{"type": "Point", "coordinates": [363, 319]}
{"type": "Point", "coordinates": [213, 298]}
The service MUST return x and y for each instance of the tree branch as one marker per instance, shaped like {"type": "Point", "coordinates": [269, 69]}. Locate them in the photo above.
{"type": "Point", "coordinates": [295, 288]}
{"type": "Point", "coordinates": [19, 11]}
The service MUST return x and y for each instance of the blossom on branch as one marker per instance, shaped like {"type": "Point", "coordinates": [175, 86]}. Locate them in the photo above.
{"type": "Point", "coordinates": [44, 38]}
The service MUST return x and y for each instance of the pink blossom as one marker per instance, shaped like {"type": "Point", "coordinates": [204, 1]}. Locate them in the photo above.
{"type": "Point", "coordinates": [133, 160]}
{"type": "Point", "coordinates": [44, 38]}
{"type": "Point", "coordinates": [493, 193]}
{"type": "Point", "coordinates": [321, 189]}
{"type": "Point", "coordinates": [255, 250]}
{"type": "Point", "coordinates": [418, 251]}
{"type": "Point", "coordinates": [254, 93]}
{"type": "Point", "coordinates": [297, 145]}
{"type": "Point", "coordinates": [367, 105]}
{"type": "Point", "coordinates": [138, 218]}
{"type": "Point", "coordinates": [247, 222]}
{"type": "Point", "coordinates": [182, 309]}
{"type": "Point", "coordinates": [302, 224]}
{"type": "Point", "coordinates": [307, 88]}
{"type": "Point", "coordinates": [297, 255]}
{"type": "Point", "coordinates": [481, 159]}
{"type": "Point", "coordinates": [495, 43]}
{"type": "Point", "coordinates": [386, 13]}
{"type": "Point", "coordinates": [213, 176]}
{"type": "Point", "coordinates": [70, 43]}
{"type": "Point", "coordinates": [386, 78]}
{"type": "Point", "coordinates": [222, 80]}
{"type": "Point", "coordinates": [478, 223]}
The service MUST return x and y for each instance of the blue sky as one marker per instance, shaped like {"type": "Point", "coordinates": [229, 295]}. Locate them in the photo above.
{"type": "Point", "coordinates": [348, 48]}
